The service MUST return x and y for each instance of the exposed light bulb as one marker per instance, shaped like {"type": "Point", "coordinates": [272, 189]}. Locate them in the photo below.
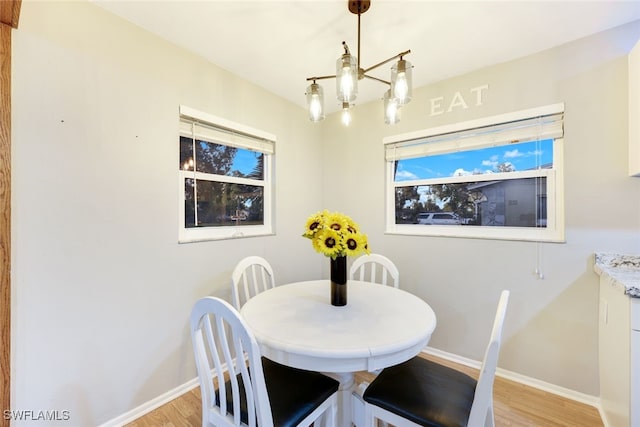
{"type": "Point", "coordinates": [391, 109]}
{"type": "Point", "coordinates": [401, 81]}
{"type": "Point", "coordinates": [346, 115]}
{"type": "Point", "coordinates": [401, 88]}
{"type": "Point", "coordinates": [315, 107]}
{"type": "Point", "coordinates": [346, 78]}
{"type": "Point", "coordinates": [315, 102]}
{"type": "Point", "coordinates": [346, 84]}
{"type": "Point", "coordinates": [392, 113]}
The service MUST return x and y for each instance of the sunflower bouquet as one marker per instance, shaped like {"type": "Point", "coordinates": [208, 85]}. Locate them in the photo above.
{"type": "Point", "coordinates": [335, 234]}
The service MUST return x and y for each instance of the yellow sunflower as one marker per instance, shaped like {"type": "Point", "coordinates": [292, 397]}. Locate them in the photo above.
{"type": "Point", "coordinates": [328, 242]}
{"type": "Point", "coordinates": [337, 221]}
{"type": "Point", "coordinates": [352, 227]}
{"type": "Point", "coordinates": [354, 244]}
{"type": "Point", "coordinates": [314, 224]}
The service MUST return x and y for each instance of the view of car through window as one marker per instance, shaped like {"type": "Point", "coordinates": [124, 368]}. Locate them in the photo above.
{"type": "Point", "coordinates": [440, 218]}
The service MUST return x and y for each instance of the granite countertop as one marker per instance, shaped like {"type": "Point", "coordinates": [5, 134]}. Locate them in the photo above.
{"type": "Point", "coordinates": [622, 271]}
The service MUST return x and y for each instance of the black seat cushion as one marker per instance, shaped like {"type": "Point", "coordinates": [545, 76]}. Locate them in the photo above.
{"type": "Point", "coordinates": [424, 392]}
{"type": "Point", "coordinates": [293, 393]}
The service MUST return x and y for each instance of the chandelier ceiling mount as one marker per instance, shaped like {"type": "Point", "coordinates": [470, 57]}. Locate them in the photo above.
{"type": "Point", "coordinates": [349, 71]}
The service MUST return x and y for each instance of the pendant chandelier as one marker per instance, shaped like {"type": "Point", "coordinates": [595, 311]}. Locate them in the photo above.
{"type": "Point", "coordinates": [349, 71]}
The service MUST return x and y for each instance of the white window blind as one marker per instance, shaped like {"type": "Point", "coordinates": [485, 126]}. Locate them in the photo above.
{"type": "Point", "coordinates": [216, 130]}
{"type": "Point", "coordinates": [542, 127]}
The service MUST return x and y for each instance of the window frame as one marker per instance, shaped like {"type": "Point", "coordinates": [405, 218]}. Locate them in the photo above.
{"type": "Point", "coordinates": [199, 234]}
{"type": "Point", "coordinates": [554, 230]}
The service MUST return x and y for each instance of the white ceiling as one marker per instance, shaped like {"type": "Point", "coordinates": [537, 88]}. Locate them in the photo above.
{"type": "Point", "coordinates": [278, 44]}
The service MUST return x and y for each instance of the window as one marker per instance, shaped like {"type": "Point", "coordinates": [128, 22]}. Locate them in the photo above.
{"type": "Point", "coordinates": [225, 179]}
{"type": "Point", "coordinates": [497, 178]}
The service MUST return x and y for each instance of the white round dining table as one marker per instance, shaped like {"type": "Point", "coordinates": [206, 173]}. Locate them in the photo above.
{"type": "Point", "coordinates": [296, 325]}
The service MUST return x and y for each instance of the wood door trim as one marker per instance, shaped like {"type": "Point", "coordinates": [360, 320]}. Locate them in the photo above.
{"type": "Point", "coordinates": [5, 215]}
{"type": "Point", "coordinates": [9, 14]}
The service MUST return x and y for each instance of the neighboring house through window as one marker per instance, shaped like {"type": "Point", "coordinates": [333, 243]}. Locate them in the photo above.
{"type": "Point", "coordinates": [497, 178]}
{"type": "Point", "coordinates": [225, 174]}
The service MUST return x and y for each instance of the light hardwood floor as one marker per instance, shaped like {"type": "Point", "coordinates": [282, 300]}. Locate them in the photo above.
{"type": "Point", "coordinates": [515, 405]}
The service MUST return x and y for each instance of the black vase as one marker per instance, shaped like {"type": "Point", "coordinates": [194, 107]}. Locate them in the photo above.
{"type": "Point", "coordinates": [339, 281]}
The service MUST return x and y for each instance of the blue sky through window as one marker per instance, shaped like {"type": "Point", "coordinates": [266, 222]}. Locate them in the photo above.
{"type": "Point", "coordinates": [245, 161]}
{"type": "Point", "coordinates": [514, 157]}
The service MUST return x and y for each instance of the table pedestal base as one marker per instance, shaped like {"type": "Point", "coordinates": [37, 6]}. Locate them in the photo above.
{"type": "Point", "coordinates": [346, 416]}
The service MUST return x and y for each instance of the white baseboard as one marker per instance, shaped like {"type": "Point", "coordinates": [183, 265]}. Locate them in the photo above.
{"type": "Point", "coordinates": [603, 416]}
{"type": "Point", "coordinates": [152, 404]}
{"type": "Point", "coordinates": [522, 379]}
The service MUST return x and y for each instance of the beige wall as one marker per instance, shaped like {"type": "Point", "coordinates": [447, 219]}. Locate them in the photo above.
{"type": "Point", "coordinates": [102, 291]}
{"type": "Point", "coordinates": [101, 288]}
{"type": "Point", "coordinates": [551, 325]}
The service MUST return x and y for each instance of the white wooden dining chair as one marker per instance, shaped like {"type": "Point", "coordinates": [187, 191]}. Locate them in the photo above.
{"type": "Point", "coordinates": [375, 268]}
{"type": "Point", "coordinates": [256, 392]}
{"type": "Point", "coordinates": [420, 392]}
{"type": "Point", "coordinates": [251, 276]}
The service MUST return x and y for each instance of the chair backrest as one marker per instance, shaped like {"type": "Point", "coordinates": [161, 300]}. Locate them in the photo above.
{"type": "Point", "coordinates": [375, 268]}
{"type": "Point", "coordinates": [483, 398]}
{"type": "Point", "coordinates": [251, 276]}
{"type": "Point", "coordinates": [222, 342]}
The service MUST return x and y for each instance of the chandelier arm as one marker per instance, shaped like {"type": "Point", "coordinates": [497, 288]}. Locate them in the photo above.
{"type": "Point", "coordinates": [377, 79]}
{"type": "Point", "coordinates": [400, 55]}
{"type": "Point", "coordinates": [321, 78]}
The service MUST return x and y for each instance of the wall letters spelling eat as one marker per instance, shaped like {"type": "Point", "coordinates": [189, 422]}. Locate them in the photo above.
{"type": "Point", "coordinates": [474, 98]}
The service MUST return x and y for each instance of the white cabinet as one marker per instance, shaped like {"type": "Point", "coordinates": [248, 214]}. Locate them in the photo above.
{"type": "Point", "coordinates": [634, 111]}
{"type": "Point", "coordinates": [619, 351]}
{"type": "Point", "coordinates": [635, 362]}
